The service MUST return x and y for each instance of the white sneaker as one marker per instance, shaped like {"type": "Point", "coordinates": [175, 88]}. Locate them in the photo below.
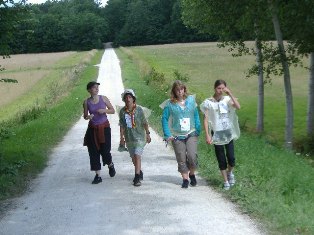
{"type": "Point", "coordinates": [231, 179]}
{"type": "Point", "coordinates": [226, 186]}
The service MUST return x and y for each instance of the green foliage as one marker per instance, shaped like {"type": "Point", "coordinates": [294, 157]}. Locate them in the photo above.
{"type": "Point", "coordinates": [156, 79]}
{"type": "Point", "coordinates": [61, 26]}
{"type": "Point", "coordinates": [8, 80]}
{"type": "Point", "coordinates": [26, 141]}
{"type": "Point", "coordinates": [148, 22]}
{"type": "Point", "coordinates": [182, 77]}
{"type": "Point", "coordinates": [273, 185]}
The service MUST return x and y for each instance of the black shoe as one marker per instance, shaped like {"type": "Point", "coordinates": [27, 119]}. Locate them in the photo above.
{"type": "Point", "coordinates": [112, 171]}
{"type": "Point", "coordinates": [193, 181]}
{"type": "Point", "coordinates": [141, 175]}
{"type": "Point", "coordinates": [185, 184]}
{"type": "Point", "coordinates": [97, 179]}
{"type": "Point", "coordinates": [136, 181]}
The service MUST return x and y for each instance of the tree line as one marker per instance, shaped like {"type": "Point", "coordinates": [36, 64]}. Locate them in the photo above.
{"type": "Point", "coordinates": [84, 24]}
{"type": "Point", "coordinates": [263, 21]}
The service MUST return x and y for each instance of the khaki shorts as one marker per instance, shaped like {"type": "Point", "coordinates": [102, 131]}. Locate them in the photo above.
{"type": "Point", "coordinates": [186, 153]}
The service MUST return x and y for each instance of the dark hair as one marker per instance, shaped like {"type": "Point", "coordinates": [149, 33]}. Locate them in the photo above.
{"type": "Point", "coordinates": [219, 82]}
{"type": "Point", "coordinates": [128, 93]}
{"type": "Point", "coordinates": [91, 84]}
{"type": "Point", "coordinates": [175, 85]}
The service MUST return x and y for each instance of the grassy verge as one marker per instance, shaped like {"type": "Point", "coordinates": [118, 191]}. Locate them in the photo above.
{"type": "Point", "coordinates": [25, 142]}
{"type": "Point", "coordinates": [273, 185]}
{"type": "Point", "coordinates": [204, 63]}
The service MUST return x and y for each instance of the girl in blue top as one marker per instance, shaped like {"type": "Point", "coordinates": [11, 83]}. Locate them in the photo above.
{"type": "Point", "coordinates": [181, 126]}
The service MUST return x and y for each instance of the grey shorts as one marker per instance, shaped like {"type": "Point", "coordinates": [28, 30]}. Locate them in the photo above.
{"type": "Point", "coordinates": [186, 153]}
{"type": "Point", "coordinates": [135, 151]}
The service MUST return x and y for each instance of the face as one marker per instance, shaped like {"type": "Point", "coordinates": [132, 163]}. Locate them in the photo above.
{"type": "Point", "coordinates": [128, 99]}
{"type": "Point", "coordinates": [220, 89]}
{"type": "Point", "coordinates": [179, 92]}
{"type": "Point", "coordinates": [94, 90]}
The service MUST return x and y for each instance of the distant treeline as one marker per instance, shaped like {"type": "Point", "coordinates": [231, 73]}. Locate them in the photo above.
{"type": "Point", "coordinates": [84, 24]}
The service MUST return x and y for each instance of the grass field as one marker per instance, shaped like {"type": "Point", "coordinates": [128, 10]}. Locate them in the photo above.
{"type": "Point", "coordinates": [41, 79]}
{"type": "Point", "coordinates": [27, 69]}
{"type": "Point", "coordinates": [273, 186]}
{"type": "Point", "coordinates": [35, 121]}
{"type": "Point", "coordinates": [204, 63]}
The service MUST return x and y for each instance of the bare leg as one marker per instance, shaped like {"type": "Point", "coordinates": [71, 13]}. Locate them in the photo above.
{"type": "Point", "coordinates": [224, 175]}
{"type": "Point", "coordinates": [137, 163]}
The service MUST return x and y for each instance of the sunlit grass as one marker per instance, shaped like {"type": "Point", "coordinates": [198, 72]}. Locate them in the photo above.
{"type": "Point", "coordinates": [273, 186]}
{"type": "Point", "coordinates": [205, 62]}
{"type": "Point", "coordinates": [25, 143]}
{"type": "Point", "coordinates": [35, 93]}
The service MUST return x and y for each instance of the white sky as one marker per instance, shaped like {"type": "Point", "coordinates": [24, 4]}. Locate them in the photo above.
{"type": "Point", "coordinates": [42, 1]}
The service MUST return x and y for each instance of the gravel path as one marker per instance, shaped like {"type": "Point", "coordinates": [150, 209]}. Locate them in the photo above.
{"type": "Point", "coordinates": [62, 199]}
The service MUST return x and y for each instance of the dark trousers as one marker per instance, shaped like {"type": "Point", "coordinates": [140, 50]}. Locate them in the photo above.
{"type": "Point", "coordinates": [221, 155]}
{"type": "Point", "coordinates": [104, 150]}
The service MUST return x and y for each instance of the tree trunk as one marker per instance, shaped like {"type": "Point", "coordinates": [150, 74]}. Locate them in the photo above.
{"type": "Point", "coordinates": [310, 107]}
{"type": "Point", "coordinates": [260, 101]}
{"type": "Point", "coordinates": [287, 83]}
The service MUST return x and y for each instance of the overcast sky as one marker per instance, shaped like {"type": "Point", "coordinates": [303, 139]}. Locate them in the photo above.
{"type": "Point", "coordinates": [42, 1]}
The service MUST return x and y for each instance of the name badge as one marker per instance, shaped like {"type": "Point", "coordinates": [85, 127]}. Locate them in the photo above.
{"type": "Point", "coordinates": [128, 120]}
{"type": "Point", "coordinates": [185, 124]}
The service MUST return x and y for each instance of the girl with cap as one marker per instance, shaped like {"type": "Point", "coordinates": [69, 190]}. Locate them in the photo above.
{"type": "Point", "coordinates": [134, 131]}
{"type": "Point", "coordinates": [221, 128]}
{"type": "Point", "coordinates": [98, 134]}
{"type": "Point", "coordinates": [181, 126]}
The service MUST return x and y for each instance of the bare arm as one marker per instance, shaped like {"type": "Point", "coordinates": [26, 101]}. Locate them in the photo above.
{"type": "Point", "coordinates": [122, 139]}
{"type": "Point", "coordinates": [207, 134]}
{"type": "Point", "coordinates": [109, 109]}
{"type": "Point", "coordinates": [148, 139]}
{"type": "Point", "coordinates": [85, 111]}
{"type": "Point", "coordinates": [236, 103]}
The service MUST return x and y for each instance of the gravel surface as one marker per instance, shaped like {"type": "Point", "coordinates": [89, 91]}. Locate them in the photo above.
{"type": "Point", "coordinates": [62, 199]}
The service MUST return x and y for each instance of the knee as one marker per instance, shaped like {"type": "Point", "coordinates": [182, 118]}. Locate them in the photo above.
{"type": "Point", "coordinates": [182, 167]}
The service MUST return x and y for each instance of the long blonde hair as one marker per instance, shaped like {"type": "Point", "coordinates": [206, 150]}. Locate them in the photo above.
{"type": "Point", "coordinates": [175, 85]}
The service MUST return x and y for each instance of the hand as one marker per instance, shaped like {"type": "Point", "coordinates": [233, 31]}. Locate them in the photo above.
{"type": "Point", "coordinates": [209, 139]}
{"type": "Point", "coordinates": [148, 139]}
{"type": "Point", "coordinates": [171, 138]}
{"type": "Point", "coordinates": [227, 90]}
{"type": "Point", "coordinates": [91, 116]}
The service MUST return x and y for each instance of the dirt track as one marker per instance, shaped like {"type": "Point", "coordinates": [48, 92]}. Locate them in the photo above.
{"type": "Point", "coordinates": [62, 199]}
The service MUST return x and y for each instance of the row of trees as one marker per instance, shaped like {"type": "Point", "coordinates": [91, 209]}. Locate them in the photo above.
{"type": "Point", "coordinates": [263, 20]}
{"type": "Point", "coordinates": [84, 24]}
{"type": "Point", "coordinates": [142, 22]}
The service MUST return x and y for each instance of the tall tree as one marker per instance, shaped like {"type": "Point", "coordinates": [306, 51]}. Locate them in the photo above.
{"type": "Point", "coordinates": [234, 22]}
{"type": "Point", "coordinates": [287, 83]}
{"type": "Point", "coordinates": [235, 19]}
{"type": "Point", "coordinates": [298, 24]}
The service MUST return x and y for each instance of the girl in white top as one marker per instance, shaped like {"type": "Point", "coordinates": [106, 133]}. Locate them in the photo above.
{"type": "Point", "coordinates": [221, 128]}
